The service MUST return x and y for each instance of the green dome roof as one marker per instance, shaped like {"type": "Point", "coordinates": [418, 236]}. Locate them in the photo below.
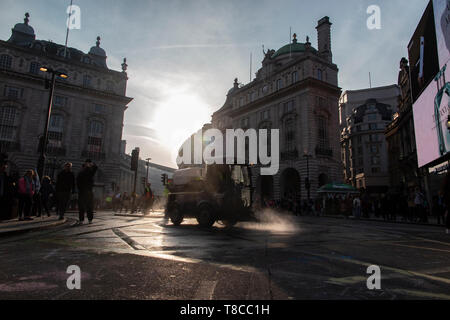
{"type": "Point", "coordinates": [294, 47]}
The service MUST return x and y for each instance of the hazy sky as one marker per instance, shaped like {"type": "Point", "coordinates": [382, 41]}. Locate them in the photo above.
{"type": "Point", "coordinates": [184, 55]}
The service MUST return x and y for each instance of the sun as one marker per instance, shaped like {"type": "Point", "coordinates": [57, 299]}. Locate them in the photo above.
{"type": "Point", "coordinates": [178, 117]}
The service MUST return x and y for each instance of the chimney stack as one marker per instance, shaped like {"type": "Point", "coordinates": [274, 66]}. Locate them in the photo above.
{"type": "Point", "coordinates": [324, 38]}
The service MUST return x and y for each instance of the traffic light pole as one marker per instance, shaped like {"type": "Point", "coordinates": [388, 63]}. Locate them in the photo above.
{"type": "Point", "coordinates": [133, 206]}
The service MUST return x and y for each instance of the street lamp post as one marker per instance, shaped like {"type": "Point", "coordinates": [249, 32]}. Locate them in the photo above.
{"type": "Point", "coordinates": [41, 161]}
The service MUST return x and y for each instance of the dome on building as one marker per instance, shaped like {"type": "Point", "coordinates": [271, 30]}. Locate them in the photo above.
{"type": "Point", "coordinates": [98, 55]}
{"type": "Point", "coordinates": [24, 28]}
{"type": "Point", "coordinates": [23, 33]}
{"type": "Point", "coordinates": [294, 47]}
{"type": "Point", "coordinates": [96, 50]}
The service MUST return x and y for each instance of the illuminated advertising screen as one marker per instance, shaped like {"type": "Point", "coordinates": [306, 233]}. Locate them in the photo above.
{"type": "Point", "coordinates": [429, 55]}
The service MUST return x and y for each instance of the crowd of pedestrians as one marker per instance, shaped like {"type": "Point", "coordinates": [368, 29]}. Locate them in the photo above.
{"type": "Point", "coordinates": [28, 196]}
{"type": "Point", "coordinates": [413, 207]}
{"type": "Point", "coordinates": [125, 202]}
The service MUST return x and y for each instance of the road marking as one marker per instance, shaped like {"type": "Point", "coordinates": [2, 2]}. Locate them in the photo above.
{"type": "Point", "coordinates": [358, 279]}
{"type": "Point", "coordinates": [205, 291]}
{"type": "Point", "coordinates": [408, 273]}
{"type": "Point", "coordinates": [418, 247]}
{"type": "Point", "coordinates": [422, 294]}
{"type": "Point", "coordinates": [128, 240]}
{"type": "Point", "coordinates": [52, 253]}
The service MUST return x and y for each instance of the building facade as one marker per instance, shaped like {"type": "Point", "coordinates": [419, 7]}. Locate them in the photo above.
{"type": "Point", "coordinates": [88, 107]}
{"type": "Point", "coordinates": [404, 173]}
{"type": "Point", "coordinates": [296, 91]}
{"type": "Point", "coordinates": [363, 145]}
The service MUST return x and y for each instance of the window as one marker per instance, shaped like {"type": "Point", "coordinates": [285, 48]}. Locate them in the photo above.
{"type": "Point", "coordinates": [7, 123]}
{"type": "Point", "coordinates": [55, 131]}
{"type": "Point", "coordinates": [322, 133]}
{"type": "Point", "coordinates": [5, 61]}
{"type": "Point", "coordinates": [376, 170]}
{"type": "Point", "coordinates": [244, 122]}
{"type": "Point", "coordinates": [358, 128]}
{"type": "Point", "coordinates": [60, 101]}
{"type": "Point", "coordinates": [294, 77]}
{"type": "Point", "coordinates": [289, 107]}
{"type": "Point", "coordinates": [99, 108]}
{"type": "Point", "coordinates": [279, 84]}
{"type": "Point", "coordinates": [87, 80]}
{"type": "Point", "coordinates": [265, 115]}
{"type": "Point", "coordinates": [86, 59]}
{"type": "Point", "coordinates": [375, 160]}
{"type": "Point", "coordinates": [374, 149]}
{"type": "Point", "coordinates": [372, 117]}
{"type": "Point", "coordinates": [254, 95]}
{"type": "Point", "coordinates": [95, 139]}
{"type": "Point", "coordinates": [265, 89]}
{"type": "Point", "coordinates": [372, 126]}
{"type": "Point", "coordinates": [34, 67]}
{"type": "Point", "coordinates": [241, 101]}
{"type": "Point", "coordinates": [289, 135]}
{"type": "Point", "coordinates": [13, 92]}
{"type": "Point", "coordinates": [319, 74]}
{"type": "Point", "coordinates": [360, 162]}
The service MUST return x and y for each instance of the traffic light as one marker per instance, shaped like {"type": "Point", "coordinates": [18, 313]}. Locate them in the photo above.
{"type": "Point", "coordinates": [135, 159]}
{"type": "Point", "coordinates": [164, 178]}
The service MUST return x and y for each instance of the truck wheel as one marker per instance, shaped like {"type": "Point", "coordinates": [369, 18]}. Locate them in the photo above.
{"type": "Point", "coordinates": [175, 215]}
{"type": "Point", "coordinates": [205, 216]}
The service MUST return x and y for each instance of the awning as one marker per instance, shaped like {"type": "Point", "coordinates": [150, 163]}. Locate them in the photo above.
{"type": "Point", "coordinates": [338, 188]}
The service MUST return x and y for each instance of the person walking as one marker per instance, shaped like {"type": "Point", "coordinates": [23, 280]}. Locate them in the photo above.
{"type": "Point", "coordinates": [26, 192]}
{"type": "Point", "coordinates": [357, 207]}
{"type": "Point", "coordinates": [46, 191]}
{"type": "Point", "coordinates": [6, 191]}
{"type": "Point", "coordinates": [148, 199]}
{"type": "Point", "coordinates": [125, 202]}
{"type": "Point", "coordinates": [419, 206]}
{"type": "Point", "coordinates": [85, 184]}
{"type": "Point", "coordinates": [37, 202]}
{"type": "Point", "coordinates": [445, 190]}
{"type": "Point", "coordinates": [65, 185]}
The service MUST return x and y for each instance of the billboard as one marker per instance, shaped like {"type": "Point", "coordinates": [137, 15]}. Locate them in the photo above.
{"type": "Point", "coordinates": [429, 55]}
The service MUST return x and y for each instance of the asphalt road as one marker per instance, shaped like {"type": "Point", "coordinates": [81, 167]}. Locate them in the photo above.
{"type": "Point", "coordinates": [285, 257]}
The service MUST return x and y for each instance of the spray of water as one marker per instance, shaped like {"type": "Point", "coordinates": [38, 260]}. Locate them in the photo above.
{"type": "Point", "coordinates": [273, 221]}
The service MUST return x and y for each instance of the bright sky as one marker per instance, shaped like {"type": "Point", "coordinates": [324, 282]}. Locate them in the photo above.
{"type": "Point", "coordinates": [183, 55]}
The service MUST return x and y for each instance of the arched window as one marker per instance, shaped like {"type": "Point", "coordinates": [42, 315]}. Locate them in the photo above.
{"type": "Point", "coordinates": [5, 61]}
{"type": "Point", "coordinates": [95, 139]}
{"type": "Point", "coordinates": [8, 116]}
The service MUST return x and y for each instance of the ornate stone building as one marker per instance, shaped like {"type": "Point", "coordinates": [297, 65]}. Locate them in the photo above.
{"type": "Point", "coordinates": [88, 107]}
{"type": "Point", "coordinates": [404, 173]}
{"type": "Point", "coordinates": [296, 91]}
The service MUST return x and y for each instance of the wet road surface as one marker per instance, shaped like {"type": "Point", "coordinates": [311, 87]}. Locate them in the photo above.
{"type": "Point", "coordinates": [283, 258]}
